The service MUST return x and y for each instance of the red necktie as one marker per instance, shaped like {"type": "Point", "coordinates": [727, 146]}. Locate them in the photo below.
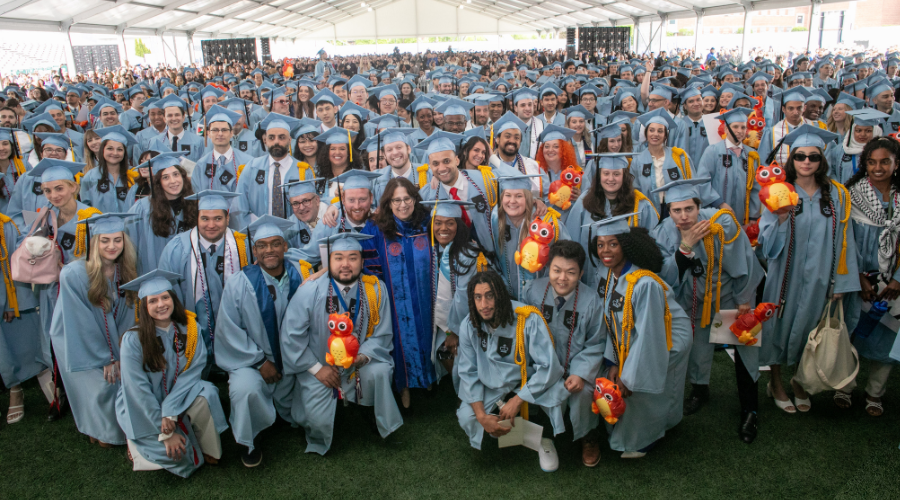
{"type": "Point", "coordinates": [465, 216]}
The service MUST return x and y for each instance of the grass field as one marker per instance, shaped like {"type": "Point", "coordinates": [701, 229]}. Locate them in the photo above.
{"type": "Point", "coordinates": [827, 453]}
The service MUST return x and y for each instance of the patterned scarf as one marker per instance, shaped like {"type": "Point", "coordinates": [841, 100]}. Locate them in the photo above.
{"type": "Point", "coordinates": [867, 209]}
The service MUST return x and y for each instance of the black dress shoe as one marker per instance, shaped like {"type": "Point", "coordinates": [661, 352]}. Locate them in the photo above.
{"type": "Point", "coordinates": [252, 459]}
{"type": "Point", "coordinates": [747, 429]}
{"type": "Point", "coordinates": [58, 408]}
{"type": "Point", "coordinates": [699, 396]}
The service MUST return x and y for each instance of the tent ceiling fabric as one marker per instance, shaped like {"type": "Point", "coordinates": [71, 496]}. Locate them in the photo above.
{"type": "Point", "coordinates": [301, 18]}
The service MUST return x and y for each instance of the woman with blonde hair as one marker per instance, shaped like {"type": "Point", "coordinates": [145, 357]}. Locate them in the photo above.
{"type": "Point", "coordinates": [93, 314]}
{"type": "Point", "coordinates": [838, 119]}
{"type": "Point", "coordinates": [92, 142]}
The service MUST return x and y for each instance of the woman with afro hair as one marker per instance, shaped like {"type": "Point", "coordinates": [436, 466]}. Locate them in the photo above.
{"type": "Point", "coordinates": [649, 335]}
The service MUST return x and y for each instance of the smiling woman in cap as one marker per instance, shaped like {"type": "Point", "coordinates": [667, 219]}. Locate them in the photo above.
{"type": "Point", "coordinates": [639, 305]}
{"type": "Point", "coordinates": [866, 125]}
{"type": "Point", "coordinates": [171, 417]}
{"type": "Point", "coordinates": [106, 187]}
{"type": "Point", "coordinates": [556, 154]}
{"type": "Point", "coordinates": [12, 166]}
{"type": "Point", "coordinates": [93, 313]}
{"type": "Point", "coordinates": [811, 255]}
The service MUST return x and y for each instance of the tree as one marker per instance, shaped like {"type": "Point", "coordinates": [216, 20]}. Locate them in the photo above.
{"type": "Point", "coordinates": [140, 49]}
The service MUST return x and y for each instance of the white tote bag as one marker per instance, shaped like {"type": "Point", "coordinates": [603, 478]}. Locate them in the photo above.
{"type": "Point", "coordinates": [829, 360]}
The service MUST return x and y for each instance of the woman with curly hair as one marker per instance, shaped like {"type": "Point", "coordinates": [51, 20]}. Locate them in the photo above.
{"type": "Point", "coordinates": [404, 253]}
{"type": "Point", "coordinates": [164, 213]}
{"type": "Point", "coordinates": [648, 335]}
{"type": "Point", "coordinates": [811, 254]}
{"type": "Point", "coordinates": [610, 194]}
{"type": "Point", "coordinates": [92, 313]}
{"type": "Point", "coordinates": [875, 192]}
{"type": "Point", "coordinates": [555, 153]}
{"type": "Point", "coordinates": [336, 156]}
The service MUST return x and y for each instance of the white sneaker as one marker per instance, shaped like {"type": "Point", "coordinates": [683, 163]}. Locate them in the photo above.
{"type": "Point", "coordinates": [548, 456]}
{"type": "Point", "coordinates": [633, 454]}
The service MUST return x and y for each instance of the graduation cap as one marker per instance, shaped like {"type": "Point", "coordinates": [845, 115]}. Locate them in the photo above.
{"type": "Point", "coordinates": [219, 114]}
{"type": "Point", "coordinates": [392, 135]}
{"type": "Point", "coordinates": [809, 136]}
{"type": "Point", "coordinates": [211, 199]}
{"type": "Point", "coordinates": [578, 111]}
{"type": "Point", "coordinates": [108, 223]}
{"type": "Point", "coordinates": [105, 103]}
{"type": "Point", "coordinates": [555, 132]}
{"type": "Point", "coordinates": [611, 161]}
{"type": "Point", "coordinates": [475, 131]}
{"type": "Point", "coordinates": [549, 88]}
{"type": "Point", "coordinates": [345, 242]}
{"type": "Point", "coordinates": [326, 96]}
{"type": "Point", "coordinates": [117, 133]}
{"type": "Point", "coordinates": [274, 93]}
{"type": "Point", "coordinates": [523, 93]}
{"type": "Point", "coordinates": [590, 89]}
{"type": "Point", "coordinates": [664, 91]}
{"type": "Point", "coordinates": [350, 108]}
{"type": "Point", "coordinates": [519, 181]}
{"type": "Point", "coordinates": [659, 116]}
{"type": "Point", "coordinates": [41, 119]}
{"type": "Point", "coordinates": [682, 190]}
{"type": "Point", "coordinates": [878, 86]}
{"type": "Point", "coordinates": [850, 100]}
{"type": "Point", "coordinates": [48, 105]}
{"type": "Point", "coordinates": [211, 91]}
{"type": "Point", "coordinates": [709, 91]}
{"type": "Point", "coordinates": [50, 170]}
{"type": "Point", "coordinates": [268, 226]}
{"type": "Point", "coordinates": [610, 131]}
{"type": "Point", "coordinates": [60, 140]}
{"type": "Point", "coordinates": [736, 115]}
{"type": "Point", "coordinates": [385, 121]}
{"type": "Point", "coordinates": [299, 188]}
{"type": "Point", "coordinates": [612, 226]}
{"type": "Point", "coordinates": [170, 101]}
{"type": "Point", "coordinates": [795, 94]}
{"type": "Point", "coordinates": [163, 161]}
{"type": "Point", "coordinates": [688, 92]}
{"type": "Point", "coordinates": [739, 95]}
{"type": "Point", "coordinates": [387, 91]}
{"type": "Point", "coordinates": [508, 121]}
{"type": "Point", "coordinates": [454, 107]}
{"type": "Point", "coordinates": [153, 283]}
{"type": "Point", "coordinates": [853, 88]}
{"type": "Point", "coordinates": [440, 141]}
{"type": "Point", "coordinates": [357, 81]}
{"type": "Point", "coordinates": [337, 135]}
{"type": "Point", "coordinates": [274, 121]}
{"type": "Point", "coordinates": [622, 94]}
{"type": "Point", "coordinates": [356, 179]}
{"type": "Point", "coordinates": [306, 125]}
{"type": "Point", "coordinates": [868, 117]}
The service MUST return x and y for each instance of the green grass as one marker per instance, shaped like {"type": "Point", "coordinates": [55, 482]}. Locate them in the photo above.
{"type": "Point", "coordinates": [827, 453]}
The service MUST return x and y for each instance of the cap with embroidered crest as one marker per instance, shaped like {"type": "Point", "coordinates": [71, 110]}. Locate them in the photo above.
{"type": "Point", "coordinates": [211, 199]}
{"type": "Point", "coordinates": [108, 223]}
{"type": "Point", "coordinates": [153, 283]}
{"type": "Point", "coordinates": [682, 190]}
{"type": "Point", "coordinates": [809, 136]}
{"type": "Point", "coordinates": [448, 208]}
{"type": "Point", "coordinates": [345, 242]}
{"type": "Point", "coordinates": [117, 133]}
{"type": "Point", "coordinates": [612, 226]}
{"type": "Point", "coordinates": [50, 169]}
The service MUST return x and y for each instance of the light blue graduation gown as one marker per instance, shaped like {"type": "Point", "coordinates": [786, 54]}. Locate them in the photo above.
{"type": "Point", "coordinates": [10, 180]}
{"type": "Point", "coordinates": [579, 350]}
{"type": "Point", "coordinates": [516, 277]}
{"type": "Point", "coordinates": [20, 340]}
{"type": "Point", "coordinates": [304, 337]}
{"type": "Point", "coordinates": [877, 346]}
{"type": "Point", "coordinates": [85, 339]}
{"type": "Point", "coordinates": [132, 119]}
{"type": "Point", "coordinates": [730, 183]}
{"type": "Point", "coordinates": [242, 346]}
{"type": "Point", "coordinates": [654, 375]}
{"type": "Point", "coordinates": [247, 143]}
{"type": "Point", "coordinates": [104, 195]}
{"type": "Point", "coordinates": [459, 307]}
{"type": "Point", "coordinates": [480, 214]}
{"type": "Point", "coordinates": [142, 401]}
{"type": "Point", "coordinates": [150, 246]}
{"type": "Point", "coordinates": [579, 217]}
{"type": "Point", "coordinates": [644, 172]}
{"type": "Point", "coordinates": [558, 119]}
{"type": "Point", "coordinates": [256, 196]}
{"type": "Point", "coordinates": [695, 138]}
{"type": "Point", "coordinates": [488, 372]}
{"type": "Point", "coordinates": [301, 241]}
{"type": "Point", "coordinates": [26, 195]}
{"type": "Point", "coordinates": [177, 257]}
{"type": "Point", "coordinates": [77, 141]}
{"type": "Point", "coordinates": [741, 274]}
{"type": "Point", "coordinates": [190, 143]}
{"type": "Point", "coordinates": [843, 165]}
{"type": "Point", "coordinates": [783, 339]}
{"type": "Point", "coordinates": [144, 138]}
{"type": "Point", "coordinates": [208, 175]}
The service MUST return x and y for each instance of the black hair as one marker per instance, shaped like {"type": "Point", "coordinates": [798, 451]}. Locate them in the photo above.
{"type": "Point", "coordinates": [569, 250]}
{"type": "Point", "coordinates": [462, 245]}
{"type": "Point", "coordinates": [638, 247]}
{"type": "Point", "coordinates": [821, 175]}
{"type": "Point", "coordinates": [503, 310]}
{"type": "Point", "coordinates": [893, 148]}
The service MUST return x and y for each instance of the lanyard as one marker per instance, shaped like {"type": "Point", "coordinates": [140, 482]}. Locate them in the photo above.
{"type": "Point", "coordinates": [344, 304]}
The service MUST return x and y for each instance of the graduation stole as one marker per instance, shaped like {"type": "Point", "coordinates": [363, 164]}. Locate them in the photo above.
{"type": "Point", "coordinates": [241, 240]}
{"type": "Point", "coordinates": [622, 342]}
{"type": "Point", "coordinates": [305, 268]}
{"type": "Point", "coordinates": [11, 297]}
{"type": "Point", "coordinates": [715, 231]}
{"type": "Point", "coordinates": [638, 197]}
{"type": "Point", "coordinates": [266, 303]}
{"type": "Point", "coordinates": [843, 197]}
{"type": "Point", "coordinates": [481, 262]}
{"type": "Point", "coordinates": [682, 162]}
{"type": "Point", "coordinates": [490, 184]}
{"type": "Point", "coordinates": [81, 231]}
{"type": "Point", "coordinates": [552, 218]}
{"type": "Point", "coordinates": [373, 296]}
{"type": "Point", "coordinates": [522, 314]}
{"type": "Point", "coordinates": [190, 347]}
{"type": "Point", "coordinates": [303, 168]}
{"type": "Point", "coordinates": [422, 171]}
{"type": "Point", "coordinates": [753, 158]}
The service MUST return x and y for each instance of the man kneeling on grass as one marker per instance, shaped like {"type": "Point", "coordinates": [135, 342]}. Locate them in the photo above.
{"type": "Point", "coordinates": [504, 366]}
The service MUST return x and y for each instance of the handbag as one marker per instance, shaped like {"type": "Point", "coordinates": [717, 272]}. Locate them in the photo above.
{"type": "Point", "coordinates": [829, 360]}
{"type": "Point", "coordinates": [35, 261]}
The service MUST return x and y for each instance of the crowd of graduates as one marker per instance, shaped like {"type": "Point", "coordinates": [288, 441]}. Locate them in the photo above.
{"type": "Point", "coordinates": [517, 225]}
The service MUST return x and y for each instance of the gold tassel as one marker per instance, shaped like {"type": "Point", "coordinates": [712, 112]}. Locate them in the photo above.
{"type": "Point", "coordinates": [628, 311]}
{"type": "Point", "coordinates": [681, 160]}
{"type": "Point", "coordinates": [552, 217]}
{"type": "Point", "coordinates": [638, 197]}
{"type": "Point", "coordinates": [350, 146]}
{"type": "Point", "coordinates": [190, 347]}
{"type": "Point", "coordinates": [305, 268]}
{"type": "Point", "coordinates": [303, 168]}
{"type": "Point", "coordinates": [481, 262]}
{"type": "Point", "coordinates": [715, 231]}
{"type": "Point", "coordinates": [81, 232]}
{"type": "Point", "coordinates": [237, 175]}
{"type": "Point", "coordinates": [492, 136]}
{"type": "Point", "coordinates": [131, 177]}
{"type": "Point", "coordinates": [20, 167]}
{"type": "Point", "coordinates": [241, 239]}
{"type": "Point", "coordinates": [11, 297]}
{"type": "Point", "coordinates": [751, 178]}
{"type": "Point", "coordinates": [373, 298]}
{"type": "Point", "coordinates": [423, 175]}
{"type": "Point", "coordinates": [843, 197]}
{"type": "Point", "coordinates": [490, 184]}
{"type": "Point", "coordinates": [521, 359]}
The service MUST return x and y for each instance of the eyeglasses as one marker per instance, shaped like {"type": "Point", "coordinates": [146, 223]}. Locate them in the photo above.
{"type": "Point", "coordinates": [219, 130]}
{"type": "Point", "coordinates": [302, 203]}
{"type": "Point", "coordinates": [402, 201]}
{"type": "Point", "coordinates": [282, 101]}
{"type": "Point", "coordinates": [815, 157]}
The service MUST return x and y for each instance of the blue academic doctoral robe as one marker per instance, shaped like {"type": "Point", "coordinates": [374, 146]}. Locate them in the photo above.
{"type": "Point", "coordinates": [248, 336]}
{"type": "Point", "coordinates": [402, 258]}
{"type": "Point", "coordinates": [20, 340]}
{"type": "Point", "coordinates": [85, 339]}
{"type": "Point", "coordinates": [654, 375]}
{"type": "Point", "coordinates": [579, 347]}
{"type": "Point", "coordinates": [488, 372]}
{"type": "Point", "coordinates": [304, 336]}
{"type": "Point", "coordinates": [783, 339]}
{"type": "Point", "coordinates": [149, 245]}
{"type": "Point", "coordinates": [144, 398]}
{"type": "Point", "coordinates": [741, 274]}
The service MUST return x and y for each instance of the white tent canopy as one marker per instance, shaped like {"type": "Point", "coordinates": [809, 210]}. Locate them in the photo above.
{"type": "Point", "coordinates": [325, 19]}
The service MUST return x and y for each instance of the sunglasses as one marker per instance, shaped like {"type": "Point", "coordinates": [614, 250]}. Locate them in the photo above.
{"type": "Point", "coordinates": [815, 157]}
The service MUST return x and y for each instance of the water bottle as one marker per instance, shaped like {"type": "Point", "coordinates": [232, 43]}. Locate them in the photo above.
{"type": "Point", "coordinates": [870, 319]}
